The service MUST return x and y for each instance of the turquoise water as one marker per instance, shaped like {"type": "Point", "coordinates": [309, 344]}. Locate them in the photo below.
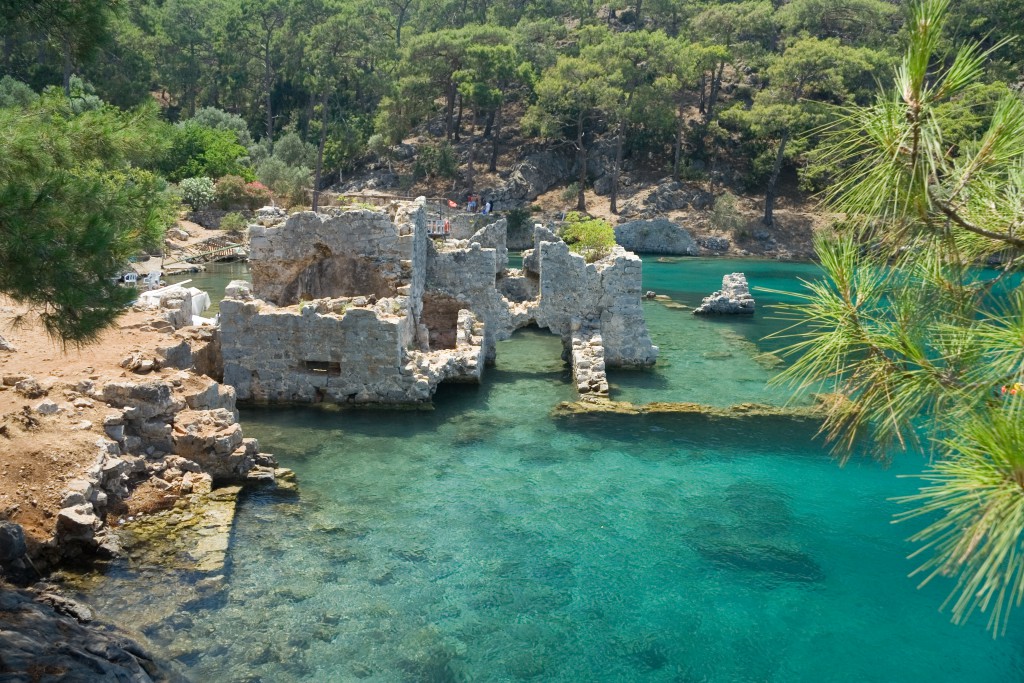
{"type": "Point", "coordinates": [213, 280]}
{"type": "Point", "coordinates": [485, 541]}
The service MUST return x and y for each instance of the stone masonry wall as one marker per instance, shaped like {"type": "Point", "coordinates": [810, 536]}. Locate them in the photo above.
{"type": "Point", "coordinates": [604, 295]}
{"type": "Point", "coordinates": [355, 252]}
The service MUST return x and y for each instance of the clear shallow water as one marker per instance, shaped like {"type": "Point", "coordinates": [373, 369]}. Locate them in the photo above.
{"type": "Point", "coordinates": [214, 279]}
{"type": "Point", "coordinates": [484, 541]}
{"type": "Point", "coordinates": [710, 359]}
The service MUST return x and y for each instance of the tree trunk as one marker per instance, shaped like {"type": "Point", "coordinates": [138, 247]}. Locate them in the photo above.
{"type": "Point", "coordinates": [470, 171]}
{"type": "Point", "coordinates": [489, 124]}
{"type": "Point", "coordinates": [458, 122]}
{"type": "Point", "coordinates": [320, 150]}
{"type": "Point", "coordinates": [679, 143]}
{"type": "Point", "coordinates": [581, 199]}
{"type": "Point", "coordinates": [618, 165]}
{"type": "Point", "coordinates": [67, 67]}
{"type": "Point", "coordinates": [449, 111]}
{"type": "Point", "coordinates": [398, 26]}
{"type": "Point", "coordinates": [268, 83]}
{"type": "Point", "coordinates": [716, 86]}
{"type": "Point", "coordinates": [495, 136]}
{"type": "Point", "coordinates": [702, 106]}
{"type": "Point", "coordinates": [773, 181]}
{"type": "Point", "coordinates": [639, 6]}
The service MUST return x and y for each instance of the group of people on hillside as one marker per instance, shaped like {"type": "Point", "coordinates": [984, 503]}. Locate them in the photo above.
{"type": "Point", "coordinates": [473, 201]}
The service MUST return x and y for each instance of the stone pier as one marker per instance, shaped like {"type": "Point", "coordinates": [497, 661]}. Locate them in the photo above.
{"type": "Point", "coordinates": [588, 367]}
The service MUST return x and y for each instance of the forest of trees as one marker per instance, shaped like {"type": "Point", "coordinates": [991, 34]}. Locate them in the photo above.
{"type": "Point", "coordinates": [114, 111]}
{"type": "Point", "coordinates": [683, 85]}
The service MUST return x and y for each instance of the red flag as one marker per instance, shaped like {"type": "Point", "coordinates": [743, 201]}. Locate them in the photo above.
{"type": "Point", "coordinates": [451, 204]}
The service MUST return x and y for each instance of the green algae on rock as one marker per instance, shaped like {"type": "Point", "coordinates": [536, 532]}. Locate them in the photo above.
{"type": "Point", "coordinates": [741, 410]}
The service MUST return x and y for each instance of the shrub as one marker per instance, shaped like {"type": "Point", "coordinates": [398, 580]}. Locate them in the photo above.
{"type": "Point", "coordinates": [233, 222]}
{"type": "Point", "coordinates": [229, 192]}
{"type": "Point", "coordinates": [726, 216]}
{"type": "Point", "coordinates": [197, 192]}
{"type": "Point", "coordinates": [436, 160]}
{"type": "Point", "coordinates": [257, 194]}
{"type": "Point", "coordinates": [593, 238]}
{"type": "Point", "coordinates": [287, 182]}
{"type": "Point", "coordinates": [570, 192]}
{"type": "Point", "coordinates": [218, 119]}
{"type": "Point", "coordinates": [196, 150]}
{"type": "Point", "coordinates": [290, 149]}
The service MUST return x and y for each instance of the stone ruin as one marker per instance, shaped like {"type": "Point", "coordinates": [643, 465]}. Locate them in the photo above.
{"type": "Point", "coordinates": [363, 307]}
{"type": "Point", "coordinates": [734, 297]}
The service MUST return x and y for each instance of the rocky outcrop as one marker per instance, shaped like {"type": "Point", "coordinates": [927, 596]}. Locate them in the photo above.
{"type": "Point", "coordinates": [669, 195]}
{"type": "Point", "coordinates": [44, 636]}
{"type": "Point", "coordinates": [175, 434]}
{"type": "Point", "coordinates": [734, 297]}
{"type": "Point", "coordinates": [656, 236]}
{"type": "Point", "coordinates": [530, 178]}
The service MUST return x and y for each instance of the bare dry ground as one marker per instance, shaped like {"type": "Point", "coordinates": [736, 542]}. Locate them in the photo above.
{"type": "Point", "coordinates": [39, 452]}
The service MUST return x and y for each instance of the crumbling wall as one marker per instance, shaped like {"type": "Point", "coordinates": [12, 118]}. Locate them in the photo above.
{"type": "Point", "coordinates": [351, 253]}
{"type": "Point", "coordinates": [604, 295]}
{"type": "Point", "coordinates": [353, 350]}
{"type": "Point", "coordinates": [468, 274]}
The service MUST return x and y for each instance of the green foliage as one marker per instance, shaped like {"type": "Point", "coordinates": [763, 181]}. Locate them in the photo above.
{"type": "Point", "coordinates": [200, 151]}
{"type": "Point", "coordinates": [198, 192]}
{"type": "Point", "coordinates": [74, 205]}
{"type": "Point", "coordinates": [911, 338]}
{"type": "Point", "coordinates": [289, 183]}
{"type": "Point", "coordinates": [519, 224]}
{"type": "Point", "coordinates": [593, 238]}
{"type": "Point", "coordinates": [232, 192]}
{"type": "Point", "coordinates": [291, 150]}
{"type": "Point", "coordinates": [436, 161]}
{"type": "Point", "coordinates": [218, 119]}
{"type": "Point", "coordinates": [14, 93]}
{"type": "Point", "coordinates": [726, 216]}
{"type": "Point", "coordinates": [233, 222]}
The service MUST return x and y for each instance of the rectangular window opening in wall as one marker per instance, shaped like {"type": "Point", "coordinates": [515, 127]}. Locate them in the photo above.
{"type": "Point", "coordinates": [322, 367]}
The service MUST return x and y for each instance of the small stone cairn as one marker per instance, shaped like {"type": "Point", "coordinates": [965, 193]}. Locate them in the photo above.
{"type": "Point", "coordinates": [733, 297]}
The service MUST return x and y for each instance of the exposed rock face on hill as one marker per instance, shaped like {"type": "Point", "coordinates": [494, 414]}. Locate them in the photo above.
{"type": "Point", "coordinates": [46, 637]}
{"type": "Point", "coordinates": [733, 297]}
{"type": "Point", "coordinates": [668, 196]}
{"type": "Point", "coordinates": [531, 177]}
{"type": "Point", "coordinates": [658, 236]}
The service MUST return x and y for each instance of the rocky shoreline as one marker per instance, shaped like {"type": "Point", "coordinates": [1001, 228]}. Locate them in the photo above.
{"type": "Point", "coordinates": [139, 448]}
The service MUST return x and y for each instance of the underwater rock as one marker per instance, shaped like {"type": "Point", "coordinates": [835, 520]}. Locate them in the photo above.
{"type": "Point", "coordinates": [741, 410]}
{"type": "Point", "coordinates": [41, 642]}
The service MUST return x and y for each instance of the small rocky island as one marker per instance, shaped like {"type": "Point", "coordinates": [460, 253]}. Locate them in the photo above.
{"type": "Point", "coordinates": [734, 297]}
{"type": "Point", "coordinates": [363, 307]}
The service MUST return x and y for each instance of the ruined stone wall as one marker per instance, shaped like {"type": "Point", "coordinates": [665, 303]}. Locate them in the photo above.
{"type": "Point", "coordinates": [351, 253]}
{"type": "Point", "coordinates": [468, 275]}
{"type": "Point", "coordinates": [273, 355]}
{"type": "Point", "coordinates": [604, 295]}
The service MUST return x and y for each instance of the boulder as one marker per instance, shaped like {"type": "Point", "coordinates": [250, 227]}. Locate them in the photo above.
{"type": "Point", "coordinates": [658, 236]}
{"type": "Point", "coordinates": [733, 297]}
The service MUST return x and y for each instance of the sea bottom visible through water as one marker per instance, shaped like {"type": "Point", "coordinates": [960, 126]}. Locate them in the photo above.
{"type": "Point", "coordinates": [488, 541]}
